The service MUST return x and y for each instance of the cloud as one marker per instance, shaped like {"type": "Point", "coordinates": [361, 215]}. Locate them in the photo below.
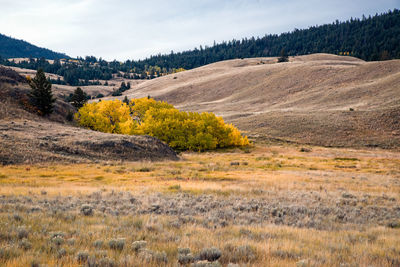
{"type": "Point", "coordinates": [125, 29]}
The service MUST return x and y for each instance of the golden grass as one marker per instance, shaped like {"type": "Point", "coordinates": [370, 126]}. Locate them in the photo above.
{"type": "Point", "coordinates": [274, 168]}
{"type": "Point", "coordinates": [280, 170]}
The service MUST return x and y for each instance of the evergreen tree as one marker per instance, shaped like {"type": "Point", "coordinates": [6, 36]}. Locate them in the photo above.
{"type": "Point", "coordinates": [79, 98]}
{"type": "Point", "coordinates": [41, 95]}
{"type": "Point", "coordinates": [283, 57]}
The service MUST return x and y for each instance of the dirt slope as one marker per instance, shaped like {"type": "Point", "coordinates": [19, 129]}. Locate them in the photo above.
{"type": "Point", "coordinates": [28, 138]}
{"type": "Point", "coordinates": [306, 100]}
{"type": "Point", "coordinates": [27, 141]}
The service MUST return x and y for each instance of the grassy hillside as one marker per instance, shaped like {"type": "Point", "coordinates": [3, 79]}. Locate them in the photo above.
{"type": "Point", "coordinates": [275, 206]}
{"type": "Point", "coordinates": [318, 99]}
{"type": "Point", "coordinates": [27, 138]}
{"type": "Point", "coordinates": [14, 48]}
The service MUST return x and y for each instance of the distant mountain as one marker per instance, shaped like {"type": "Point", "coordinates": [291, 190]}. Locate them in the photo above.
{"type": "Point", "coordinates": [11, 48]}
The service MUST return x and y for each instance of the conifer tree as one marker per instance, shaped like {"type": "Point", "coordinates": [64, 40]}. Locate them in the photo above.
{"type": "Point", "coordinates": [79, 98]}
{"type": "Point", "coordinates": [41, 95]}
{"type": "Point", "coordinates": [284, 57]}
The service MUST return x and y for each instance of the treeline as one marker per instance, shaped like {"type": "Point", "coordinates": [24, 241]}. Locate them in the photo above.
{"type": "Point", "coordinates": [89, 70]}
{"type": "Point", "coordinates": [14, 48]}
{"type": "Point", "coordinates": [372, 38]}
{"type": "Point", "coordinates": [74, 72]}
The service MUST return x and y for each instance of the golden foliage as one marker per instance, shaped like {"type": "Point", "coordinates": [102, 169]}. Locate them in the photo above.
{"type": "Point", "coordinates": [106, 116]}
{"type": "Point", "coordinates": [181, 130]}
{"type": "Point", "coordinates": [178, 70]}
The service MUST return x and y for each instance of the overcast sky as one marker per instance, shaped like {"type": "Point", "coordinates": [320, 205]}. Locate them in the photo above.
{"type": "Point", "coordinates": [123, 29]}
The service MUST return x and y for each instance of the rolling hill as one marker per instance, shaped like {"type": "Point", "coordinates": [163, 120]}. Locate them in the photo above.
{"type": "Point", "coordinates": [27, 138]}
{"type": "Point", "coordinates": [14, 48]}
{"type": "Point", "coordinates": [318, 99]}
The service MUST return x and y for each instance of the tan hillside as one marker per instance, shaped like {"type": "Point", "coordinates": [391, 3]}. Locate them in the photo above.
{"type": "Point", "coordinates": [306, 100]}
{"type": "Point", "coordinates": [26, 138]}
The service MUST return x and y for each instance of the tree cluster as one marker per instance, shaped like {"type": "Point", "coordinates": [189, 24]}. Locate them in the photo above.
{"type": "Point", "coordinates": [78, 98]}
{"type": "Point", "coordinates": [145, 116]}
{"type": "Point", "coordinates": [124, 87]}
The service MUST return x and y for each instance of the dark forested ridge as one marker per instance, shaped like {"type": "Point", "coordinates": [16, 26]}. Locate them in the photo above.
{"type": "Point", "coordinates": [372, 38]}
{"type": "Point", "coordinates": [14, 48]}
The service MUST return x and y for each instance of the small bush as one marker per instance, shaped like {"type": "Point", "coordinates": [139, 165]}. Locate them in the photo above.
{"type": "Point", "coordinates": [82, 256]}
{"type": "Point", "coordinates": [61, 253]}
{"type": "Point", "coordinates": [22, 232]}
{"type": "Point", "coordinates": [183, 251]}
{"type": "Point", "coordinates": [98, 243]}
{"type": "Point", "coordinates": [139, 245]}
{"type": "Point", "coordinates": [87, 210]}
{"type": "Point", "coordinates": [25, 244]}
{"type": "Point", "coordinates": [57, 240]}
{"type": "Point", "coordinates": [185, 259]}
{"type": "Point", "coordinates": [57, 234]}
{"type": "Point", "coordinates": [17, 217]}
{"type": "Point", "coordinates": [153, 256]}
{"type": "Point", "coordinates": [245, 253]}
{"type": "Point", "coordinates": [395, 225]}
{"type": "Point", "coordinates": [210, 254]}
{"type": "Point", "coordinates": [117, 244]}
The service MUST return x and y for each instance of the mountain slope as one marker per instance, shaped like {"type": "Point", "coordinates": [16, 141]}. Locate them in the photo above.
{"type": "Point", "coordinates": [14, 48]}
{"type": "Point", "coordinates": [306, 100]}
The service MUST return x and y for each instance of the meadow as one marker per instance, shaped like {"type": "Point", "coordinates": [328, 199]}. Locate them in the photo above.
{"type": "Point", "coordinates": [267, 205]}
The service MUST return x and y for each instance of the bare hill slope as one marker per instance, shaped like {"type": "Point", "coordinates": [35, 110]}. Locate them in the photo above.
{"type": "Point", "coordinates": [306, 100]}
{"type": "Point", "coordinates": [28, 138]}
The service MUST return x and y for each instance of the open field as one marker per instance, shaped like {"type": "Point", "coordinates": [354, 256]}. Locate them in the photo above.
{"type": "Point", "coordinates": [270, 205]}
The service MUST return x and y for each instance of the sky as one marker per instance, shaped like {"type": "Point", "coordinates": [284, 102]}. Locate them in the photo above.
{"type": "Point", "coordinates": [123, 29]}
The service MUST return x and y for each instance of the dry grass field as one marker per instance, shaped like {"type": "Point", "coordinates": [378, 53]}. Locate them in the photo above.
{"type": "Point", "coordinates": [73, 197]}
{"type": "Point", "coordinates": [306, 100]}
{"type": "Point", "coordinates": [268, 205]}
